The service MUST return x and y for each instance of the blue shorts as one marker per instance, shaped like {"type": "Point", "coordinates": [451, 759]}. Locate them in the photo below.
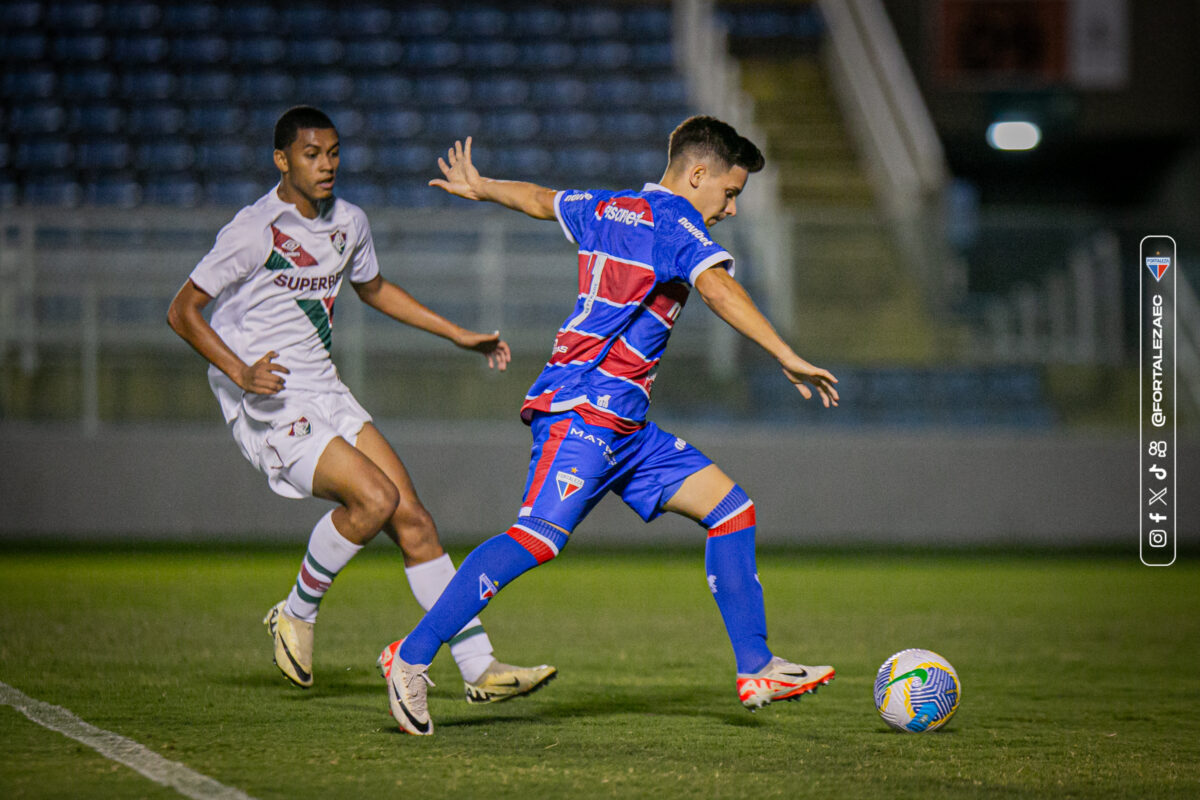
{"type": "Point", "coordinates": [573, 465]}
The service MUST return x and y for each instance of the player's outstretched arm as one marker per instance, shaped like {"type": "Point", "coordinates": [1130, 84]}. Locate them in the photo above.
{"type": "Point", "coordinates": [729, 301]}
{"type": "Point", "coordinates": [388, 298]}
{"type": "Point", "coordinates": [463, 180]}
{"type": "Point", "coordinates": [262, 377]}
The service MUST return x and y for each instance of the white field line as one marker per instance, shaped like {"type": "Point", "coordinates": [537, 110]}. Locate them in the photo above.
{"type": "Point", "coordinates": [171, 774]}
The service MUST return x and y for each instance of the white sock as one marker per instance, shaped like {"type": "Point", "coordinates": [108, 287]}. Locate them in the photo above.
{"type": "Point", "coordinates": [328, 552]}
{"type": "Point", "coordinates": [470, 647]}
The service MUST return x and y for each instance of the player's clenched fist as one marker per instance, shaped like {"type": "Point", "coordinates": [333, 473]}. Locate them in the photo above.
{"type": "Point", "coordinates": [261, 378]}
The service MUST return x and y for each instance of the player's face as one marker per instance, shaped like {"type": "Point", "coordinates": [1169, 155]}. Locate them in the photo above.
{"type": "Point", "coordinates": [717, 192]}
{"type": "Point", "coordinates": [309, 164]}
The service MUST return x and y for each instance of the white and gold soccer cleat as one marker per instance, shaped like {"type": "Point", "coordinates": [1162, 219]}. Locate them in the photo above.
{"type": "Point", "coordinates": [780, 680]}
{"type": "Point", "coordinates": [293, 645]}
{"type": "Point", "coordinates": [501, 682]}
{"type": "Point", "coordinates": [407, 698]}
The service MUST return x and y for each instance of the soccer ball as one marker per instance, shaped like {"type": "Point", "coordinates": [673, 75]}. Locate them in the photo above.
{"type": "Point", "coordinates": [917, 691]}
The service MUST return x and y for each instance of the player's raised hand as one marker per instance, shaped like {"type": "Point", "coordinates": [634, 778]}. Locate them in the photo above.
{"type": "Point", "coordinates": [490, 345]}
{"type": "Point", "coordinates": [462, 178]}
{"type": "Point", "coordinates": [261, 377]}
{"type": "Point", "coordinates": [801, 373]}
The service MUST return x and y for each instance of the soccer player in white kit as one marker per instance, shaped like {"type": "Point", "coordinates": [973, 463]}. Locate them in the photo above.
{"type": "Point", "coordinates": [274, 273]}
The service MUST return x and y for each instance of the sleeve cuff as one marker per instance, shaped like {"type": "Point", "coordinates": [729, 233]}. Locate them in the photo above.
{"type": "Point", "coordinates": [558, 215]}
{"type": "Point", "coordinates": [711, 261]}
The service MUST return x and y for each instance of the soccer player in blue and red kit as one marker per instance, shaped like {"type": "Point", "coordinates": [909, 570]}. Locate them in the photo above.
{"type": "Point", "coordinates": [640, 253]}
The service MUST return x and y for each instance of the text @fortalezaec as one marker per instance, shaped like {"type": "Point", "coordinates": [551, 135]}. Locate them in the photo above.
{"type": "Point", "coordinates": [1157, 417]}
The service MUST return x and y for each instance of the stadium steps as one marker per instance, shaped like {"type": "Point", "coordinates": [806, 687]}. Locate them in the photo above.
{"type": "Point", "coordinates": [854, 296]}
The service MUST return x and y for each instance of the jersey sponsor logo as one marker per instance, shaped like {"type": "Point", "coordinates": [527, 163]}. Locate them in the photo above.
{"type": "Point", "coordinates": [596, 440]}
{"type": "Point", "coordinates": [570, 198]}
{"type": "Point", "coordinates": [603, 400]}
{"type": "Point", "coordinates": [301, 427]}
{"type": "Point", "coordinates": [290, 250]}
{"type": "Point", "coordinates": [338, 239]}
{"type": "Point", "coordinates": [568, 484]}
{"type": "Point", "coordinates": [487, 589]}
{"type": "Point", "coordinates": [320, 284]}
{"type": "Point", "coordinates": [694, 231]}
{"type": "Point", "coordinates": [680, 444]}
{"type": "Point", "coordinates": [626, 211]}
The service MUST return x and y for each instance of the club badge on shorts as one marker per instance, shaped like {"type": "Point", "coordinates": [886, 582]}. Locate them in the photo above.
{"type": "Point", "coordinates": [568, 484]}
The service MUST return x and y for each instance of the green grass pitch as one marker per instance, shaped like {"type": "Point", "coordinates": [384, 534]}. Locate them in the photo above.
{"type": "Point", "coordinates": [1079, 672]}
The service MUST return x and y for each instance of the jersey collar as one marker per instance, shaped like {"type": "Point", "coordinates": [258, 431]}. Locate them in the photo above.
{"type": "Point", "coordinates": [656, 187]}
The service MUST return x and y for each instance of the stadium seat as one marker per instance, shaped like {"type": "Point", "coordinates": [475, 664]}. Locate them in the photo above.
{"type": "Point", "coordinates": [383, 88]}
{"type": "Point", "coordinates": [3, 154]}
{"type": "Point", "coordinates": [373, 53]}
{"type": "Point", "coordinates": [22, 15]}
{"type": "Point", "coordinates": [198, 50]}
{"type": "Point", "coordinates": [143, 86]}
{"type": "Point", "coordinates": [166, 155]}
{"type": "Point", "coordinates": [29, 83]}
{"type": "Point", "coordinates": [442, 90]}
{"type": "Point", "coordinates": [616, 90]}
{"type": "Point", "coordinates": [155, 120]}
{"type": "Point", "coordinates": [24, 47]}
{"type": "Point", "coordinates": [37, 118]}
{"type": "Point", "coordinates": [542, 55]}
{"type": "Point", "coordinates": [583, 162]}
{"type": "Point", "coordinates": [224, 156]}
{"type": "Point", "coordinates": [451, 125]}
{"type": "Point", "coordinates": [594, 22]}
{"type": "Point", "coordinates": [122, 192]}
{"type": "Point", "coordinates": [604, 55]}
{"type": "Point", "coordinates": [46, 190]}
{"type": "Point", "coordinates": [355, 21]}
{"type": "Point", "coordinates": [559, 92]}
{"type": "Point", "coordinates": [9, 192]}
{"type": "Point", "coordinates": [179, 190]}
{"type": "Point", "coordinates": [185, 17]}
{"type": "Point", "coordinates": [138, 50]}
{"type": "Point", "coordinates": [233, 193]}
{"type": "Point", "coordinates": [306, 20]}
{"type": "Point", "coordinates": [492, 55]}
{"type": "Point", "coordinates": [132, 16]}
{"type": "Point", "coordinates": [403, 157]}
{"type": "Point", "coordinates": [245, 18]}
{"type": "Point", "coordinates": [215, 119]}
{"type": "Point", "coordinates": [362, 192]}
{"type": "Point", "coordinates": [90, 83]}
{"type": "Point", "coordinates": [538, 21]}
{"type": "Point", "coordinates": [394, 125]}
{"type": "Point", "coordinates": [643, 22]}
{"type": "Point", "coordinates": [523, 162]}
{"type": "Point", "coordinates": [316, 51]}
{"type": "Point", "coordinates": [569, 125]}
{"type": "Point", "coordinates": [415, 194]}
{"type": "Point", "coordinates": [102, 154]}
{"type": "Point", "coordinates": [432, 54]}
{"type": "Point", "coordinates": [258, 51]}
{"type": "Point", "coordinates": [653, 55]}
{"type": "Point", "coordinates": [357, 157]}
{"type": "Point", "coordinates": [348, 119]}
{"type": "Point", "coordinates": [665, 91]}
{"type": "Point", "coordinates": [323, 87]}
{"type": "Point", "coordinates": [79, 48]}
{"type": "Point", "coordinates": [515, 126]}
{"type": "Point", "coordinates": [206, 85]}
{"type": "Point", "coordinates": [420, 22]}
{"type": "Point", "coordinates": [266, 87]}
{"type": "Point", "coordinates": [499, 91]}
{"type": "Point", "coordinates": [628, 125]}
{"type": "Point", "coordinates": [477, 22]}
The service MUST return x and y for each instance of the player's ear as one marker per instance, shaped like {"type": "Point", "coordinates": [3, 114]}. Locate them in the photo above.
{"type": "Point", "coordinates": [281, 161]}
{"type": "Point", "coordinates": [697, 174]}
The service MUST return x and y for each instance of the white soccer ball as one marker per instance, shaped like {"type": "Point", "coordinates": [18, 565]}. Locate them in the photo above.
{"type": "Point", "coordinates": [917, 691]}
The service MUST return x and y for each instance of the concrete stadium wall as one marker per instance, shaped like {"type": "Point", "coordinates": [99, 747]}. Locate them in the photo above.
{"type": "Point", "coordinates": [810, 486]}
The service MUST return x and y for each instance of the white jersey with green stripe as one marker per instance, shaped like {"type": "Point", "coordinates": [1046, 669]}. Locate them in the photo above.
{"type": "Point", "coordinates": [274, 275]}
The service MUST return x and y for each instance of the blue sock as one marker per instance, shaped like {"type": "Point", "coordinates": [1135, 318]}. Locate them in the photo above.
{"type": "Point", "coordinates": [484, 572]}
{"type": "Point", "coordinates": [733, 578]}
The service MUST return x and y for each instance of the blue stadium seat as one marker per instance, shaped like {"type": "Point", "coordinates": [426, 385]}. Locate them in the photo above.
{"type": "Point", "coordinates": [511, 126]}
{"type": "Point", "coordinates": [383, 88]}
{"type": "Point", "coordinates": [478, 22]}
{"type": "Point", "coordinates": [132, 16]}
{"type": "Point", "coordinates": [22, 15]}
{"type": "Point", "coordinates": [542, 55]}
{"type": "Point", "coordinates": [194, 50]}
{"type": "Point", "coordinates": [320, 51]}
{"type": "Point", "coordinates": [562, 92]}
{"type": "Point", "coordinates": [79, 48]}
{"type": "Point", "coordinates": [431, 54]}
{"type": "Point", "coordinates": [628, 125]}
{"type": "Point", "coordinates": [522, 162]}
{"type": "Point", "coordinates": [122, 192]}
{"type": "Point", "coordinates": [569, 125]}
{"type": "Point", "coordinates": [538, 21]}
{"type": "Point", "coordinates": [258, 51]}
{"type": "Point", "coordinates": [585, 162]}
{"type": "Point", "coordinates": [74, 15]}
{"type": "Point", "coordinates": [260, 122]}
{"type": "Point", "coordinates": [242, 19]}
{"type": "Point", "coordinates": [415, 194]}
{"type": "Point", "coordinates": [615, 90]}
{"type": "Point", "coordinates": [189, 17]}
{"type": "Point", "coordinates": [217, 119]}
{"type": "Point", "coordinates": [147, 85]}
{"type": "Point", "coordinates": [421, 22]}
{"type": "Point", "coordinates": [90, 83]}
{"type": "Point", "coordinates": [645, 163]}
{"type": "Point", "coordinates": [375, 53]}
{"type": "Point", "coordinates": [178, 190]}
{"type": "Point", "coordinates": [357, 157]}
{"type": "Point", "coordinates": [604, 55]}
{"type": "Point", "coordinates": [3, 154]}
{"type": "Point", "coordinates": [442, 90]}
{"type": "Point", "coordinates": [266, 87]}
{"type": "Point", "coordinates": [52, 190]}
{"type": "Point", "coordinates": [451, 125]}
{"type": "Point", "coordinates": [665, 91]}
{"type": "Point", "coordinates": [9, 192]}
{"type": "Point", "coordinates": [490, 55]}
{"type": "Point", "coordinates": [653, 55]}
{"type": "Point", "coordinates": [96, 119]}
{"type": "Point", "coordinates": [403, 157]}
{"type": "Point", "coordinates": [238, 192]}
{"type": "Point", "coordinates": [594, 22]}
{"type": "Point", "coordinates": [306, 20]}
{"type": "Point", "coordinates": [647, 22]}
{"type": "Point", "coordinates": [138, 50]}
{"type": "Point", "coordinates": [224, 156]}
{"type": "Point", "coordinates": [349, 120]}
{"type": "Point", "coordinates": [102, 154]}
{"type": "Point", "coordinates": [499, 91]}
{"type": "Point", "coordinates": [320, 87]}
{"type": "Point", "coordinates": [37, 118]}
{"type": "Point", "coordinates": [165, 155]}
{"type": "Point", "coordinates": [393, 125]}
{"type": "Point", "coordinates": [155, 120]}
{"type": "Point", "coordinates": [206, 85]}
{"type": "Point", "coordinates": [24, 46]}
{"type": "Point", "coordinates": [363, 192]}
{"type": "Point", "coordinates": [354, 21]}
{"type": "Point", "coordinates": [29, 83]}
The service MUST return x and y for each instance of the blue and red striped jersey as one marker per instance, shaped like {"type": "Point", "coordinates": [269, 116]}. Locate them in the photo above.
{"type": "Point", "coordinates": [639, 254]}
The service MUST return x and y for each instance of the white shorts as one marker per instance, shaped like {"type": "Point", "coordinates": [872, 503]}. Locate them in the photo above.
{"type": "Point", "coordinates": [284, 438]}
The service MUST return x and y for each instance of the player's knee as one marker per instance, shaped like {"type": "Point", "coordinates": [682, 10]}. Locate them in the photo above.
{"type": "Point", "coordinates": [544, 540]}
{"type": "Point", "coordinates": [377, 503]}
{"type": "Point", "coordinates": [735, 512]}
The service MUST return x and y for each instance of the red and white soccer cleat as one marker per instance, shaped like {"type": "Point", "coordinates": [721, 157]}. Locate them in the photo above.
{"type": "Point", "coordinates": [780, 680]}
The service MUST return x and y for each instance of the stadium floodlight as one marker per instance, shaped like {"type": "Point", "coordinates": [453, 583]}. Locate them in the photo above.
{"type": "Point", "coordinates": [1014, 135]}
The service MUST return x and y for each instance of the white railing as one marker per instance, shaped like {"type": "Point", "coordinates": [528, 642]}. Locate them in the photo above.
{"type": "Point", "coordinates": [1187, 337]}
{"type": "Point", "coordinates": [96, 281]}
{"type": "Point", "coordinates": [714, 87]}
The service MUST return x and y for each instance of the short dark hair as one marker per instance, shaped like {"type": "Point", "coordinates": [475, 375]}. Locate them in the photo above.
{"type": "Point", "coordinates": [296, 119]}
{"type": "Point", "coordinates": [709, 137]}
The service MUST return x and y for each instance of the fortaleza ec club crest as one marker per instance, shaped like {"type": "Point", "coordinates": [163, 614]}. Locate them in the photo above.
{"type": "Point", "coordinates": [1158, 266]}
{"type": "Point", "coordinates": [338, 238]}
{"type": "Point", "coordinates": [568, 484]}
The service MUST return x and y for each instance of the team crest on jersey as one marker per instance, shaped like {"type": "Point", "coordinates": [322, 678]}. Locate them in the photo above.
{"type": "Point", "coordinates": [338, 238]}
{"type": "Point", "coordinates": [487, 589]}
{"type": "Point", "coordinates": [626, 211]}
{"type": "Point", "coordinates": [568, 484]}
{"type": "Point", "coordinates": [301, 427]}
{"type": "Point", "coordinates": [289, 250]}
{"type": "Point", "coordinates": [1158, 267]}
